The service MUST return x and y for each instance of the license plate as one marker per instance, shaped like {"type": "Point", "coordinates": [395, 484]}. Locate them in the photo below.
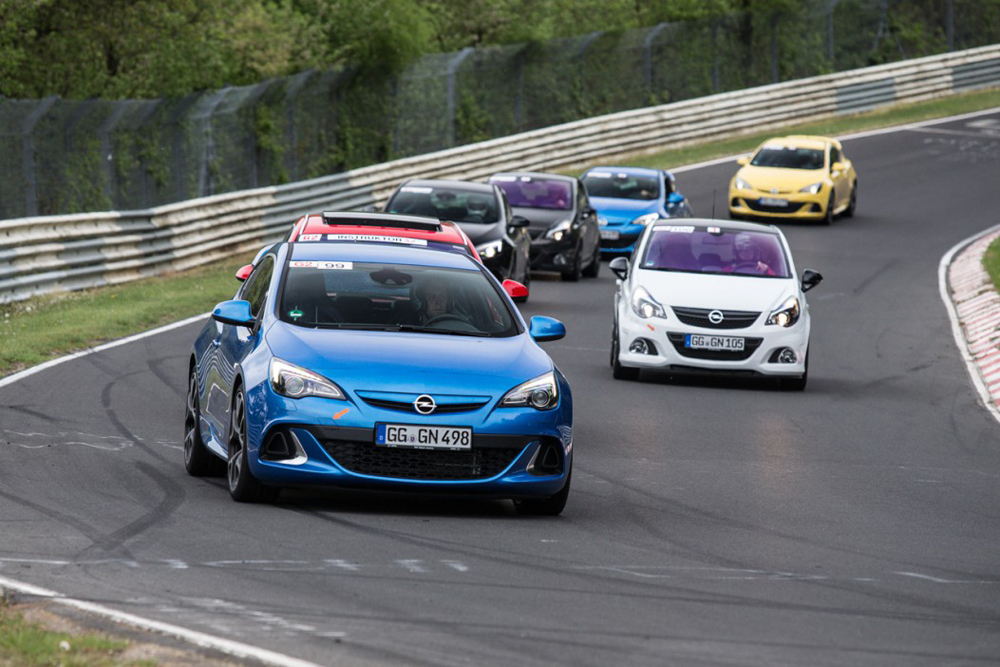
{"type": "Point", "coordinates": [771, 201]}
{"type": "Point", "coordinates": [423, 437]}
{"type": "Point", "coordinates": [610, 234]}
{"type": "Point", "coordinates": [723, 343]}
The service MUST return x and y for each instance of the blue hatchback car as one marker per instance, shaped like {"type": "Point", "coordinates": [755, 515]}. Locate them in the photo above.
{"type": "Point", "coordinates": [628, 199]}
{"type": "Point", "coordinates": [382, 367]}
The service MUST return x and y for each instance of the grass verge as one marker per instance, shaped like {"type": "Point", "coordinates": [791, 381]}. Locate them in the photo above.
{"type": "Point", "coordinates": [39, 329]}
{"type": "Point", "coordinates": [28, 643]}
{"type": "Point", "coordinates": [991, 262]}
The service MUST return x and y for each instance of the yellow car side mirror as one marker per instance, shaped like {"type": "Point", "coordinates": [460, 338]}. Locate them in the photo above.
{"type": "Point", "coordinates": [743, 160]}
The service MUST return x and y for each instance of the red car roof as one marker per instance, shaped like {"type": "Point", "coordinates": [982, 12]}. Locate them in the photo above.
{"type": "Point", "coordinates": [360, 226]}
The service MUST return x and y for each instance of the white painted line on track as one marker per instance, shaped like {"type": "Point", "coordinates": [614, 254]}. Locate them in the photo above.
{"type": "Point", "coordinates": [965, 347]}
{"type": "Point", "coordinates": [235, 649]}
{"type": "Point", "coordinates": [11, 379]}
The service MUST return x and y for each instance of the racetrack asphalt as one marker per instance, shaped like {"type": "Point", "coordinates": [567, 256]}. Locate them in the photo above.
{"type": "Point", "coordinates": [711, 521]}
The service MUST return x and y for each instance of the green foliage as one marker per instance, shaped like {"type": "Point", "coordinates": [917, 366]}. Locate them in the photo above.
{"type": "Point", "coordinates": [26, 643]}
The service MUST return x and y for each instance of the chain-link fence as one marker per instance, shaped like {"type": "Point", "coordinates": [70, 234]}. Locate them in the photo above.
{"type": "Point", "coordinates": [67, 156]}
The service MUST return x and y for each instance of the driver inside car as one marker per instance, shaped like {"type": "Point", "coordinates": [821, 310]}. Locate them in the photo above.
{"type": "Point", "coordinates": [747, 257]}
{"type": "Point", "coordinates": [435, 301]}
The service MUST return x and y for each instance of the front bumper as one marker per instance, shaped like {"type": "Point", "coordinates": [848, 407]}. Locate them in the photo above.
{"type": "Point", "coordinates": [801, 205]}
{"type": "Point", "coordinates": [552, 255]}
{"type": "Point", "coordinates": [627, 235]}
{"type": "Point", "coordinates": [332, 443]}
{"type": "Point", "coordinates": [763, 343]}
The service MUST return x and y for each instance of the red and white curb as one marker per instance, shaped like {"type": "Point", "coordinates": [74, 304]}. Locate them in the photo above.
{"type": "Point", "coordinates": [974, 308]}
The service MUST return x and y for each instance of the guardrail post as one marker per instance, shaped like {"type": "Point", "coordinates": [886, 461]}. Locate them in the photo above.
{"type": "Point", "coordinates": [28, 155]}
{"type": "Point", "coordinates": [452, 105]}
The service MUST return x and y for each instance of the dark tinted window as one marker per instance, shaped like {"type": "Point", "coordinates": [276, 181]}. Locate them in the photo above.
{"type": "Point", "coordinates": [788, 157]}
{"type": "Point", "coordinates": [390, 297]}
{"type": "Point", "coordinates": [255, 289]}
{"type": "Point", "coordinates": [619, 185]}
{"type": "Point", "coordinates": [714, 250]}
{"type": "Point", "coordinates": [449, 203]}
{"type": "Point", "coordinates": [532, 192]}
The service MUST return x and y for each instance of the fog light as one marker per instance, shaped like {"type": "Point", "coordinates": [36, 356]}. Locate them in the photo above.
{"type": "Point", "coordinates": [639, 346]}
{"type": "Point", "coordinates": [540, 398]}
{"type": "Point", "coordinates": [787, 356]}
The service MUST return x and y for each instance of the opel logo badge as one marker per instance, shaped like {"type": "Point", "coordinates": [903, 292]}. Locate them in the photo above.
{"type": "Point", "coordinates": [715, 317]}
{"type": "Point", "coordinates": [424, 404]}
{"type": "Point", "coordinates": [774, 191]}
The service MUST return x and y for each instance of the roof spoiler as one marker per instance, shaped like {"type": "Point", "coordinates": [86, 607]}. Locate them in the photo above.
{"type": "Point", "coordinates": [359, 219]}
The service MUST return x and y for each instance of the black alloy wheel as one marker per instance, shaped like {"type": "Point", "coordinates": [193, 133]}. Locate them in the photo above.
{"type": "Point", "coordinates": [243, 486]}
{"type": "Point", "coordinates": [594, 268]}
{"type": "Point", "coordinates": [853, 206]}
{"type": "Point", "coordinates": [575, 272]}
{"type": "Point", "coordinates": [551, 506]}
{"type": "Point", "coordinates": [198, 461]}
{"type": "Point", "coordinates": [828, 218]}
{"type": "Point", "coordinates": [618, 371]}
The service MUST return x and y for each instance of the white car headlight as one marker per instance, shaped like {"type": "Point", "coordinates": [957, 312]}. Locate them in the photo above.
{"type": "Point", "coordinates": [489, 250]}
{"type": "Point", "coordinates": [645, 306]}
{"type": "Point", "coordinates": [542, 393]}
{"type": "Point", "coordinates": [647, 219]}
{"type": "Point", "coordinates": [787, 314]}
{"type": "Point", "coordinates": [742, 185]}
{"type": "Point", "coordinates": [559, 231]}
{"type": "Point", "coordinates": [812, 189]}
{"type": "Point", "coordinates": [295, 382]}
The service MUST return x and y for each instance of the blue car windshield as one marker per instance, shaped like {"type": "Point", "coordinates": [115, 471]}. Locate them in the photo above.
{"type": "Point", "coordinates": [788, 157]}
{"type": "Point", "coordinates": [619, 185]}
{"type": "Point", "coordinates": [694, 249]}
{"type": "Point", "coordinates": [445, 203]}
{"type": "Point", "coordinates": [390, 297]}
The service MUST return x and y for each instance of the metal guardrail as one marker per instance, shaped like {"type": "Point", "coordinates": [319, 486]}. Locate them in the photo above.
{"type": "Point", "coordinates": [45, 254]}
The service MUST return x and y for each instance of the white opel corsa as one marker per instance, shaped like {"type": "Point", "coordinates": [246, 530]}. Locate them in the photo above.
{"type": "Point", "coordinates": [712, 295]}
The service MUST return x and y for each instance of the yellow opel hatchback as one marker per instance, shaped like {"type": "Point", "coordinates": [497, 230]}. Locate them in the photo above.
{"type": "Point", "coordinates": [796, 177]}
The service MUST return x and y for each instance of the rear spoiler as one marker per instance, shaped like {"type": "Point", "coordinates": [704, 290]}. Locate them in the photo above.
{"type": "Point", "coordinates": [359, 219]}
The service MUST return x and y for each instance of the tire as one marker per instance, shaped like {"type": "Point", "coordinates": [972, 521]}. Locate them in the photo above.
{"type": "Point", "coordinates": [576, 271]}
{"type": "Point", "coordinates": [618, 371]}
{"type": "Point", "coordinates": [594, 268]}
{"type": "Point", "coordinates": [853, 206]}
{"type": "Point", "coordinates": [243, 486]}
{"type": "Point", "coordinates": [551, 506]}
{"type": "Point", "coordinates": [796, 384]}
{"type": "Point", "coordinates": [828, 218]}
{"type": "Point", "coordinates": [198, 461]}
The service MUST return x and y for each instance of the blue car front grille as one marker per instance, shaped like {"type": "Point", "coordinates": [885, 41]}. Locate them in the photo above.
{"type": "Point", "coordinates": [367, 458]}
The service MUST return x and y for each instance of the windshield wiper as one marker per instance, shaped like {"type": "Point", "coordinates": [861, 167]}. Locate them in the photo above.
{"type": "Point", "coordinates": [451, 332]}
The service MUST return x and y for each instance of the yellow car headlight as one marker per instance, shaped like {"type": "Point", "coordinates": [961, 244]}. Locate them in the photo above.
{"type": "Point", "coordinates": [812, 189]}
{"type": "Point", "coordinates": [740, 184]}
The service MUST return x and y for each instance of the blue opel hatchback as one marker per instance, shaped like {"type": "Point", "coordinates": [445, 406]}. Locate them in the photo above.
{"type": "Point", "coordinates": [628, 199]}
{"type": "Point", "coordinates": [382, 367]}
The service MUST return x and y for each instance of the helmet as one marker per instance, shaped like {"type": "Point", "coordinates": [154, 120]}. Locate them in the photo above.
{"type": "Point", "coordinates": [745, 248]}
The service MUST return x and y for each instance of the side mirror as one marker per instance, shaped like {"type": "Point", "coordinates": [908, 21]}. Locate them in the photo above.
{"type": "Point", "coordinates": [515, 290]}
{"type": "Point", "coordinates": [519, 221]}
{"type": "Point", "coordinates": [244, 272]}
{"type": "Point", "coordinates": [619, 267]}
{"type": "Point", "coordinates": [371, 208]}
{"type": "Point", "coordinates": [235, 312]}
{"type": "Point", "coordinates": [675, 198]}
{"type": "Point", "coordinates": [810, 279]}
{"type": "Point", "coordinates": [544, 329]}
{"type": "Point", "coordinates": [589, 211]}
{"type": "Point", "coordinates": [743, 160]}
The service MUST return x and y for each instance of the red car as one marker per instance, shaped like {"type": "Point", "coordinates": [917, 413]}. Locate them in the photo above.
{"type": "Point", "coordinates": [364, 227]}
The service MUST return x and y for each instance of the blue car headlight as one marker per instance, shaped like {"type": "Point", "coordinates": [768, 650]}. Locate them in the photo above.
{"type": "Point", "coordinates": [542, 393]}
{"type": "Point", "coordinates": [295, 382]}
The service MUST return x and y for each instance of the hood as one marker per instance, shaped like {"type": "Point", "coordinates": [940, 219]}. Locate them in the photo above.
{"type": "Point", "coordinates": [725, 292]}
{"type": "Point", "coordinates": [623, 210]}
{"type": "Point", "coordinates": [384, 361]}
{"type": "Point", "coordinates": [784, 180]}
{"type": "Point", "coordinates": [480, 233]}
{"type": "Point", "coordinates": [542, 218]}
